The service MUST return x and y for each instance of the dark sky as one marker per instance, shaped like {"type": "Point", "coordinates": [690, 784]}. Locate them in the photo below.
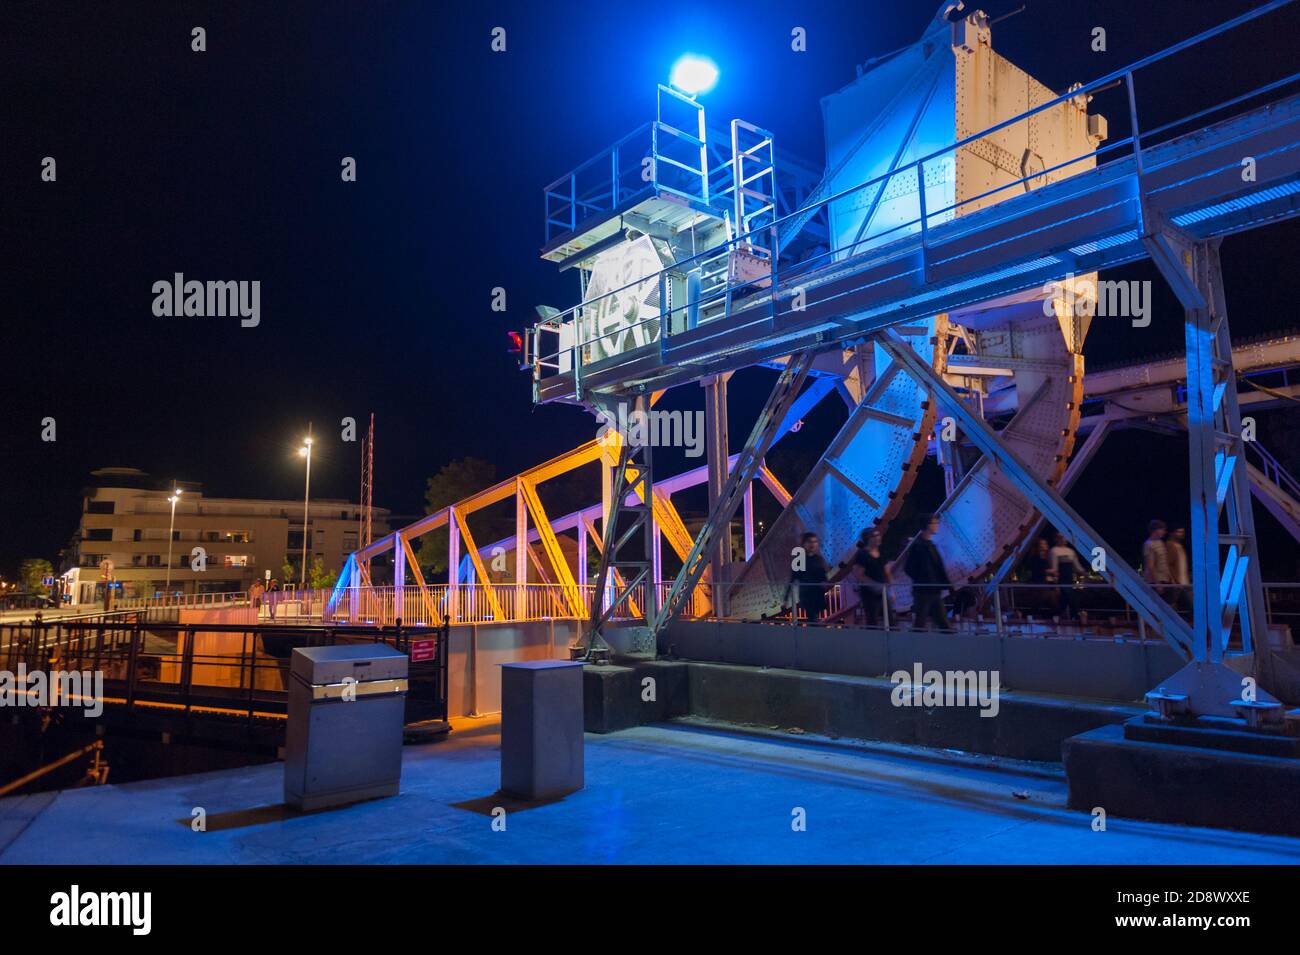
{"type": "Point", "coordinates": [375, 294]}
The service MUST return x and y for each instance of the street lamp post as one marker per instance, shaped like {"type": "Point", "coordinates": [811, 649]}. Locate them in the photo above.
{"type": "Point", "coordinates": [171, 532]}
{"type": "Point", "coordinates": [305, 451]}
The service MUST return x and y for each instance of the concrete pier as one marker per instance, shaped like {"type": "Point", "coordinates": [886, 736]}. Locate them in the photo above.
{"type": "Point", "coordinates": [663, 794]}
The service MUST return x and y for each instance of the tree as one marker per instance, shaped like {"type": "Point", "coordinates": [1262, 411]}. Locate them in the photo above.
{"type": "Point", "coordinates": [454, 482]}
{"type": "Point", "coordinates": [32, 570]}
{"type": "Point", "coordinates": [318, 578]}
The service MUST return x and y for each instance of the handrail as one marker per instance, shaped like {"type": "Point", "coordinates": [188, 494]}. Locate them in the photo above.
{"type": "Point", "coordinates": [1274, 470]}
{"type": "Point", "coordinates": [7, 788]}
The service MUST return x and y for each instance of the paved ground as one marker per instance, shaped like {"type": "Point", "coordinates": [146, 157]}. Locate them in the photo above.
{"type": "Point", "coordinates": [665, 794]}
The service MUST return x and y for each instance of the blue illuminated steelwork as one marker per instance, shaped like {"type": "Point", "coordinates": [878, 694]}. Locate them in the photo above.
{"type": "Point", "coordinates": [1090, 221]}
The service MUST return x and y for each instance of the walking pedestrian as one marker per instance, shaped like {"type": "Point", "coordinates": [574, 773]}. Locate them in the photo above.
{"type": "Point", "coordinates": [929, 578]}
{"type": "Point", "coordinates": [873, 574]}
{"type": "Point", "coordinates": [809, 579]}
{"type": "Point", "coordinates": [1065, 566]}
{"type": "Point", "coordinates": [1155, 558]}
{"type": "Point", "coordinates": [1180, 578]}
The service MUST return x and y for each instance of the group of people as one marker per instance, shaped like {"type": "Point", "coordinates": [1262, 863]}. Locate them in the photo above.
{"type": "Point", "coordinates": [259, 591]}
{"type": "Point", "coordinates": [1164, 563]}
{"type": "Point", "coordinates": [1056, 566]}
{"type": "Point", "coordinates": [872, 575]}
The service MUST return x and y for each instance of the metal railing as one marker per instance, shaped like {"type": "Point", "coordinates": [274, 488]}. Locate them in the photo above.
{"type": "Point", "coordinates": [769, 234]}
{"type": "Point", "coordinates": [458, 604]}
{"type": "Point", "coordinates": [182, 600]}
{"type": "Point", "coordinates": [1088, 609]}
{"type": "Point", "coordinates": [1272, 468]}
{"type": "Point", "coordinates": [220, 670]}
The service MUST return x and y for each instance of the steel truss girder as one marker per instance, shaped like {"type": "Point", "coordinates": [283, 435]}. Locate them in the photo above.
{"type": "Point", "coordinates": [1082, 458]}
{"type": "Point", "coordinates": [732, 494]}
{"type": "Point", "coordinates": [633, 475]}
{"type": "Point", "coordinates": [1223, 586]}
{"type": "Point", "coordinates": [1045, 498]}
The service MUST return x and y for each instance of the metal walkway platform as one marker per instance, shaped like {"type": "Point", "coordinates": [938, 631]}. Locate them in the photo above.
{"type": "Point", "coordinates": [1095, 219]}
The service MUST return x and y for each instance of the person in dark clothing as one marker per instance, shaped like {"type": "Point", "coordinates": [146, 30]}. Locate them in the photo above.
{"type": "Point", "coordinates": [929, 579]}
{"type": "Point", "coordinates": [1066, 569]}
{"type": "Point", "coordinates": [873, 576]}
{"type": "Point", "coordinates": [1037, 571]}
{"type": "Point", "coordinates": [809, 580]}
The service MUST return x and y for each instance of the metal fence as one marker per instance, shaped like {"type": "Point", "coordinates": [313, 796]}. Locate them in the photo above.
{"type": "Point", "coordinates": [219, 670]}
{"type": "Point", "coordinates": [1087, 609]}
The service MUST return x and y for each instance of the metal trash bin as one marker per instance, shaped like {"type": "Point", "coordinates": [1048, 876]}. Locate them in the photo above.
{"type": "Point", "coordinates": [343, 742]}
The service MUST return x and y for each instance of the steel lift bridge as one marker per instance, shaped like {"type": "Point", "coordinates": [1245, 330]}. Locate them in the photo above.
{"type": "Point", "coordinates": [944, 267]}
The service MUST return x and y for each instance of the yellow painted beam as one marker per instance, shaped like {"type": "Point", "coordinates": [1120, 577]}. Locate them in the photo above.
{"type": "Point", "coordinates": [551, 546]}
{"type": "Point", "coordinates": [671, 525]}
{"type": "Point", "coordinates": [775, 486]}
{"type": "Point", "coordinates": [426, 598]}
{"type": "Point", "coordinates": [480, 571]}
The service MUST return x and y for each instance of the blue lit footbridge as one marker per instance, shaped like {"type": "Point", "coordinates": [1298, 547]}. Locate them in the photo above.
{"type": "Point", "coordinates": [939, 276]}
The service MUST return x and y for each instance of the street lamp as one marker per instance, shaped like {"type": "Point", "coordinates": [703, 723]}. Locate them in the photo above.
{"type": "Point", "coordinates": [305, 451]}
{"type": "Point", "coordinates": [171, 532]}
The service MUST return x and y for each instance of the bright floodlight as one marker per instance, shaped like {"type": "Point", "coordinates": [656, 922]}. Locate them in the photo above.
{"type": "Point", "coordinates": [693, 74]}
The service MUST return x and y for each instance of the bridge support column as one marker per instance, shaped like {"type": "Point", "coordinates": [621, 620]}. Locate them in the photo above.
{"type": "Point", "coordinates": [453, 566]}
{"type": "Point", "coordinates": [748, 464]}
{"type": "Point", "coordinates": [399, 577]}
{"type": "Point", "coordinates": [718, 454]}
{"type": "Point", "coordinates": [521, 553]}
{"type": "Point", "coordinates": [1224, 585]}
{"type": "Point", "coordinates": [628, 542]}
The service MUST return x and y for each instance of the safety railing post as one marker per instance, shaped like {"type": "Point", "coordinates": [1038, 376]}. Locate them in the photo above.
{"type": "Point", "coordinates": [613, 179]}
{"type": "Point", "coordinates": [187, 667]}
{"type": "Point", "coordinates": [250, 656]}
{"type": "Point", "coordinates": [920, 197]}
{"type": "Point", "coordinates": [1133, 122]}
{"type": "Point", "coordinates": [132, 656]}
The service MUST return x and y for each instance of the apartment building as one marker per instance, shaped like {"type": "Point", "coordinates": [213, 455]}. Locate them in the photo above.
{"type": "Point", "coordinates": [217, 543]}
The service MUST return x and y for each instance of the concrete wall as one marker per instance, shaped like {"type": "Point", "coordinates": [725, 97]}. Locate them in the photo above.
{"type": "Point", "coordinates": [477, 650]}
{"type": "Point", "coordinates": [1095, 669]}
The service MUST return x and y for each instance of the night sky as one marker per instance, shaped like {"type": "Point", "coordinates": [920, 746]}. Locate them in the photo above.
{"type": "Point", "coordinates": [375, 295]}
